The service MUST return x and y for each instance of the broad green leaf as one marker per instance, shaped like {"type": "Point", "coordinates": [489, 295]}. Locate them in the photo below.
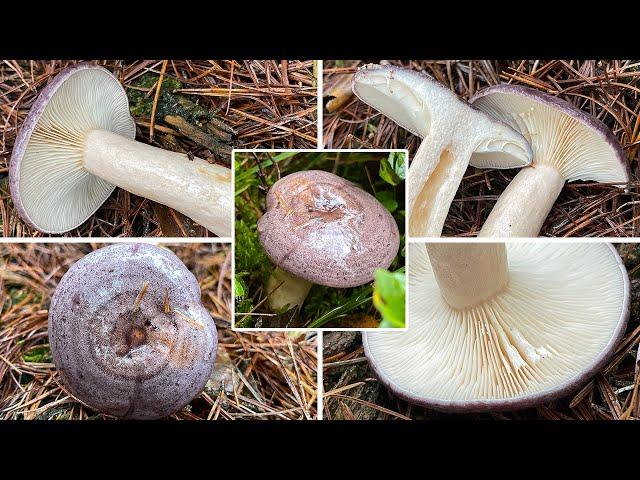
{"type": "Point", "coordinates": [238, 287]}
{"type": "Point", "coordinates": [387, 199]}
{"type": "Point", "coordinates": [392, 168]}
{"type": "Point", "coordinates": [389, 298]}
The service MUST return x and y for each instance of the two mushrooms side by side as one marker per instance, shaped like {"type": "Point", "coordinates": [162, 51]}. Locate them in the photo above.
{"type": "Point", "coordinates": [128, 334]}
{"type": "Point", "coordinates": [494, 327]}
{"type": "Point", "coordinates": [77, 143]}
{"type": "Point", "coordinates": [508, 126]}
{"type": "Point", "coordinates": [319, 228]}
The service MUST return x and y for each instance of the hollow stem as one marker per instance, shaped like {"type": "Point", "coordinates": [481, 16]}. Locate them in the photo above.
{"type": "Point", "coordinates": [286, 289]}
{"type": "Point", "coordinates": [196, 188]}
{"type": "Point", "coordinates": [525, 204]}
{"type": "Point", "coordinates": [434, 177]}
{"type": "Point", "coordinates": [469, 273]}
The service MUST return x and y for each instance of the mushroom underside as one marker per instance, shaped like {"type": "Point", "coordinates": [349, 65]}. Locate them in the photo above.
{"type": "Point", "coordinates": [562, 311]}
{"type": "Point", "coordinates": [577, 149]}
{"type": "Point", "coordinates": [50, 187]}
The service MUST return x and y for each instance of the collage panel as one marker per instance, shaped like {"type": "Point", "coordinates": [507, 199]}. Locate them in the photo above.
{"type": "Point", "coordinates": [328, 293]}
{"type": "Point", "coordinates": [140, 331]}
{"type": "Point", "coordinates": [141, 148]}
{"type": "Point", "coordinates": [320, 239]}
{"type": "Point", "coordinates": [508, 331]}
{"type": "Point", "coordinates": [498, 148]}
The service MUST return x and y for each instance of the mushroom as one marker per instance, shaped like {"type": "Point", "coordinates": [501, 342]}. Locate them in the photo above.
{"type": "Point", "coordinates": [495, 327]}
{"type": "Point", "coordinates": [78, 142]}
{"type": "Point", "coordinates": [128, 333]}
{"type": "Point", "coordinates": [567, 144]}
{"type": "Point", "coordinates": [454, 136]}
{"type": "Point", "coordinates": [320, 228]}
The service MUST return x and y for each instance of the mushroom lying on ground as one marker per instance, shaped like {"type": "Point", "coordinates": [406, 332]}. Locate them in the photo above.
{"type": "Point", "coordinates": [320, 228]}
{"type": "Point", "coordinates": [494, 327]}
{"type": "Point", "coordinates": [454, 136]}
{"type": "Point", "coordinates": [128, 334]}
{"type": "Point", "coordinates": [567, 144]}
{"type": "Point", "coordinates": [78, 142]}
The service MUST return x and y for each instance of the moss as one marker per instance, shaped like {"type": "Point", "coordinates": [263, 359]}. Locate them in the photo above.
{"type": "Point", "coordinates": [39, 354]}
{"type": "Point", "coordinates": [169, 102]}
{"type": "Point", "coordinates": [251, 261]}
{"type": "Point", "coordinates": [17, 294]}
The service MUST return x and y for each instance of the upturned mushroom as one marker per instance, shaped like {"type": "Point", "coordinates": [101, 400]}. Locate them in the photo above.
{"type": "Point", "coordinates": [128, 333]}
{"type": "Point", "coordinates": [77, 144]}
{"type": "Point", "coordinates": [495, 327]}
{"type": "Point", "coordinates": [568, 145]}
{"type": "Point", "coordinates": [454, 136]}
{"type": "Point", "coordinates": [322, 229]}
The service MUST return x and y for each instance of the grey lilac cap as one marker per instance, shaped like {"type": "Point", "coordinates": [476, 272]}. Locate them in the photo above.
{"type": "Point", "coordinates": [128, 333]}
{"type": "Point", "coordinates": [323, 228]}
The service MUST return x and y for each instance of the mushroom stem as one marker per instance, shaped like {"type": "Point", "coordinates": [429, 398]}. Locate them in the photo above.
{"type": "Point", "coordinates": [196, 188]}
{"type": "Point", "coordinates": [524, 205]}
{"type": "Point", "coordinates": [434, 176]}
{"type": "Point", "coordinates": [469, 274]}
{"type": "Point", "coordinates": [285, 289]}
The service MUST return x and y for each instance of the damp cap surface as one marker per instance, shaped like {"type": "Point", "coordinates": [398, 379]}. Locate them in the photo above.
{"type": "Point", "coordinates": [324, 229]}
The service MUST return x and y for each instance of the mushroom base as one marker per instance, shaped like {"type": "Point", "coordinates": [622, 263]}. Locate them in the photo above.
{"type": "Point", "coordinates": [285, 289]}
{"type": "Point", "coordinates": [432, 188]}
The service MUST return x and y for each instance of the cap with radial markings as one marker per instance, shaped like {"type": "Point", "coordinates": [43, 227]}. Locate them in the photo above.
{"type": "Point", "coordinates": [323, 228]}
{"type": "Point", "coordinates": [50, 188]}
{"type": "Point", "coordinates": [562, 136]}
{"type": "Point", "coordinates": [128, 333]}
{"type": "Point", "coordinates": [553, 326]}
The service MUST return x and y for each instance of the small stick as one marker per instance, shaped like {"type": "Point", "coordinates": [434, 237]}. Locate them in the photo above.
{"type": "Point", "coordinates": [155, 100]}
{"type": "Point", "coordinates": [140, 296]}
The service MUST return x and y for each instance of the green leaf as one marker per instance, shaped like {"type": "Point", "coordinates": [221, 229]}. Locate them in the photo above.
{"type": "Point", "coordinates": [392, 168]}
{"type": "Point", "coordinates": [387, 198]}
{"type": "Point", "coordinates": [238, 287]}
{"type": "Point", "coordinates": [389, 298]}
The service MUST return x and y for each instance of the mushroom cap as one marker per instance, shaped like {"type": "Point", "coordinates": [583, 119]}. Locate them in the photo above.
{"type": "Point", "coordinates": [555, 325]}
{"type": "Point", "coordinates": [51, 190]}
{"type": "Point", "coordinates": [417, 102]}
{"type": "Point", "coordinates": [578, 145]}
{"type": "Point", "coordinates": [325, 229]}
{"type": "Point", "coordinates": [128, 334]}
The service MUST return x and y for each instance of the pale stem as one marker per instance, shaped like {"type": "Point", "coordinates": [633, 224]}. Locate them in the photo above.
{"type": "Point", "coordinates": [196, 188]}
{"type": "Point", "coordinates": [285, 289]}
{"type": "Point", "coordinates": [469, 273]}
{"type": "Point", "coordinates": [525, 204]}
{"type": "Point", "coordinates": [434, 176]}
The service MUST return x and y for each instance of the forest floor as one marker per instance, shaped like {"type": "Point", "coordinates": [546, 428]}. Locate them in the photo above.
{"type": "Point", "coordinates": [256, 376]}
